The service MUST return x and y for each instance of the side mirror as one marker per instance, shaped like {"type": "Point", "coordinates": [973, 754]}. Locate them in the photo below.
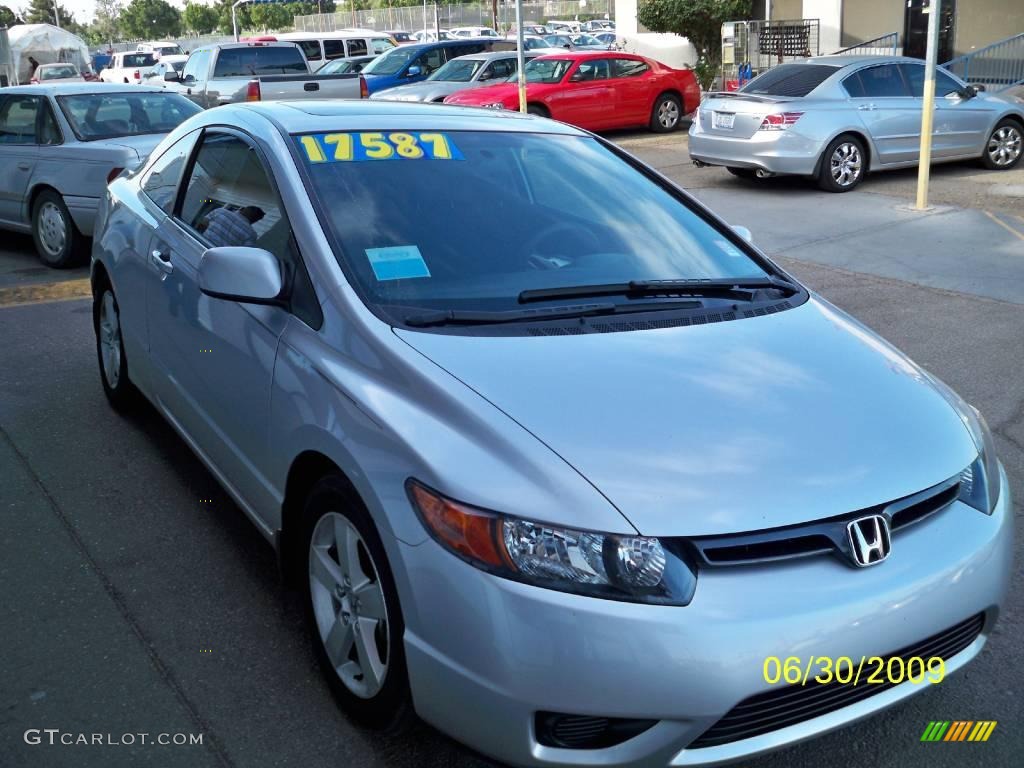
{"type": "Point", "coordinates": [413, 71]}
{"type": "Point", "coordinates": [249, 275]}
{"type": "Point", "coordinates": [577, 77]}
{"type": "Point", "coordinates": [171, 76]}
{"type": "Point", "coordinates": [978, 87]}
{"type": "Point", "coordinates": [743, 232]}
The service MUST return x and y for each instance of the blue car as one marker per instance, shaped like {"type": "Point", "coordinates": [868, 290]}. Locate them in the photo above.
{"type": "Point", "coordinates": [412, 63]}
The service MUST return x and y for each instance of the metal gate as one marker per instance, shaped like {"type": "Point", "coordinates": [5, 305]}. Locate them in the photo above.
{"type": "Point", "coordinates": [752, 47]}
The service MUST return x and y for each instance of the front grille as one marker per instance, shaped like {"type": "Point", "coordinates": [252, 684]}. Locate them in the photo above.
{"type": "Point", "coordinates": [791, 704]}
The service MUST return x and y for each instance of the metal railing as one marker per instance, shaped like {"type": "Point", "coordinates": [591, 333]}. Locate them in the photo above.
{"type": "Point", "coordinates": [752, 47]}
{"type": "Point", "coordinates": [884, 45]}
{"type": "Point", "coordinates": [997, 66]}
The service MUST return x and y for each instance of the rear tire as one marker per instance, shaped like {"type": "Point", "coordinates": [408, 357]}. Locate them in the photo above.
{"type": "Point", "coordinates": [58, 241]}
{"type": "Point", "coordinates": [843, 165]}
{"type": "Point", "coordinates": [538, 110]}
{"type": "Point", "coordinates": [666, 114]}
{"type": "Point", "coordinates": [1004, 147]}
{"type": "Point", "coordinates": [742, 173]}
{"type": "Point", "coordinates": [352, 609]}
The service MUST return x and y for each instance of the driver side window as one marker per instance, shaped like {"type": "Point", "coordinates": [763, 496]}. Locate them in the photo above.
{"type": "Point", "coordinates": [196, 66]}
{"type": "Point", "coordinates": [428, 61]}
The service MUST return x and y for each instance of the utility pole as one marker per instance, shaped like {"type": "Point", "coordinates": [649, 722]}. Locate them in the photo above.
{"type": "Point", "coordinates": [928, 105]}
{"type": "Point", "coordinates": [520, 60]}
{"type": "Point", "coordinates": [56, 13]}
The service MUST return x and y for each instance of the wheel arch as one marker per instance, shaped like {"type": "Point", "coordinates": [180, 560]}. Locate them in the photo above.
{"type": "Point", "coordinates": [30, 200]}
{"type": "Point", "coordinates": [540, 105]}
{"type": "Point", "coordinates": [856, 133]}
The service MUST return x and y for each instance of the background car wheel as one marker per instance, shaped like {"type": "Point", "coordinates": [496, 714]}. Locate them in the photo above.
{"type": "Point", "coordinates": [110, 348]}
{"type": "Point", "coordinates": [843, 165]}
{"type": "Point", "coordinates": [1004, 146]}
{"type": "Point", "coordinates": [57, 239]}
{"type": "Point", "coordinates": [666, 114]}
{"type": "Point", "coordinates": [537, 109]}
{"type": "Point", "coordinates": [352, 609]}
{"type": "Point", "coordinates": [743, 173]}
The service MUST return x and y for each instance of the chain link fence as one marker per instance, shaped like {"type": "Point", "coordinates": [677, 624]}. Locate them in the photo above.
{"type": "Point", "coordinates": [411, 18]}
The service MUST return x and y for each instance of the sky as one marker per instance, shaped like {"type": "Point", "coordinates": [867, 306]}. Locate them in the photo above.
{"type": "Point", "coordinates": [84, 9]}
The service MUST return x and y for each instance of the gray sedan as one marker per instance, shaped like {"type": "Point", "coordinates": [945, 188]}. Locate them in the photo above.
{"type": "Point", "coordinates": [837, 117]}
{"type": "Point", "coordinates": [61, 144]}
{"type": "Point", "coordinates": [562, 479]}
{"type": "Point", "coordinates": [459, 74]}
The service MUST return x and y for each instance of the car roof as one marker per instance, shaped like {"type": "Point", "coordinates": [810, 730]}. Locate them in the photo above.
{"type": "Point", "coordinates": [359, 115]}
{"type": "Point", "coordinates": [73, 89]}
{"type": "Point", "coordinates": [851, 61]}
{"type": "Point", "coordinates": [491, 55]}
{"type": "Point", "coordinates": [583, 55]}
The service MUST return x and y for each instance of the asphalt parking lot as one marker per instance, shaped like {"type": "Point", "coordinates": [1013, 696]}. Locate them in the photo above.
{"type": "Point", "coordinates": [138, 598]}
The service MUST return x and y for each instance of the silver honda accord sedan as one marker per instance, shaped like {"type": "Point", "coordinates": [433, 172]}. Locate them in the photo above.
{"type": "Point", "coordinates": [835, 118]}
{"type": "Point", "coordinates": [559, 460]}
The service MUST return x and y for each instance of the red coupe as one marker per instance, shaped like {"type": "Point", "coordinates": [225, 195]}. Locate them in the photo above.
{"type": "Point", "coordinates": [596, 90]}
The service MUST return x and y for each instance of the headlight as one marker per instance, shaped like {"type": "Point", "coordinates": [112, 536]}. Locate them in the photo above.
{"type": "Point", "coordinates": [617, 567]}
{"type": "Point", "coordinates": [980, 483]}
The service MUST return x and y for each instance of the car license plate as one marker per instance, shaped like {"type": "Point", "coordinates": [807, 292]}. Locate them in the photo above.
{"type": "Point", "coordinates": [723, 120]}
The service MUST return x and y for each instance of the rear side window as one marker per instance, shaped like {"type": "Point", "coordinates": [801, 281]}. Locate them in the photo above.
{"type": "Point", "coordinates": [310, 48]}
{"type": "Point", "coordinates": [381, 44]}
{"type": "Point", "coordinates": [138, 60]}
{"type": "Point", "coordinates": [914, 75]}
{"type": "Point", "coordinates": [246, 62]}
{"type": "Point", "coordinates": [628, 67]}
{"type": "Point", "coordinates": [356, 47]}
{"type": "Point", "coordinates": [334, 49]}
{"type": "Point", "coordinates": [790, 80]}
{"type": "Point", "coordinates": [884, 81]}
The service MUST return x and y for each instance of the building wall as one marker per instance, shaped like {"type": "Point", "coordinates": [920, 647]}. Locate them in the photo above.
{"type": "Point", "coordinates": [787, 9]}
{"type": "Point", "coordinates": [981, 22]}
{"type": "Point", "coordinates": [829, 14]}
{"type": "Point", "coordinates": [868, 19]}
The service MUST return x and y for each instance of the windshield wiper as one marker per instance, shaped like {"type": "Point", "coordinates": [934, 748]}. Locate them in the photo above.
{"type": "Point", "coordinates": [738, 288]}
{"type": "Point", "coordinates": [480, 317]}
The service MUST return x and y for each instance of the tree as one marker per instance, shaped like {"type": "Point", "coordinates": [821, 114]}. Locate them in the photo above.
{"type": "Point", "coordinates": [41, 12]}
{"type": "Point", "coordinates": [150, 20]}
{"type": "Point", "coordinates": [105, 26]}
{"type": "Point", "coordinates": [8, 18]}
{"type": "Point", "coordinates": [700, 21]}
{"type": "Point", "coordinates": [198, 18]}
{"type": "Point", "coordinates": [271, 16]}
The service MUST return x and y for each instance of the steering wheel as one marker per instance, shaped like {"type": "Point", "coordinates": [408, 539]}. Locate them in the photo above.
{"type": "Point", "coordinates": [560, 226]}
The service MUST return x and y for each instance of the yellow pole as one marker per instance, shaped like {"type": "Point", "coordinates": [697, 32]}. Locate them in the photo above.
{"type": "Point", "coordinates": [520, 59]}
{"type": "Point", "coordinates": [928, 106]}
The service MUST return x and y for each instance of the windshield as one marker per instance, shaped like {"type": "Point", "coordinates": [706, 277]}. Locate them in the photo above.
{"type": "Point", "coordinates": [108, 115]}
{"type": "Point", "coordinates": [57, 73]}
{"type": "Point", "coordinates": [343, 66]}
{"type": "Point", "coordinates": [559, 41]}
{"type": "Point", "coordinates": [390, 62]}
{"type": "Point", "coordinates": [249, 61]}
{"type": "Point", "coordinates": [585, 40]}
{"type": "Point", "coordinates": [168, 50]}
{"type": "Point", "coordinates": [138, 60]}
{"type": "Point", "coordinates": [468, 220]}
{"type": "Point", "coordinates": [458, 70]}
{"type": "Point", "coordinates": [546, 70]}
{"type": "Point", "coordinates": [790, 80]}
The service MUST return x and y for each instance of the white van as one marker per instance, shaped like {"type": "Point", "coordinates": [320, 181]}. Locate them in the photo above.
{"type": "Point", "coordinates": [321, 47]}
{"type": "Point", "coordinates": [159, 49]}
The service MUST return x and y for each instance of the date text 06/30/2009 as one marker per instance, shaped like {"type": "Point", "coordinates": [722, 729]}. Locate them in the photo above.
{"type": "Point", "coordinates": [870, 670]}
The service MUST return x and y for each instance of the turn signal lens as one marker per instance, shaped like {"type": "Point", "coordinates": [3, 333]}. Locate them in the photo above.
{"type": "Point", "coordinates": [467, 531]}
{"type": "Point", "coordinates": [252, 91]}
{"type": "Point", "coordinates": [364, 91]}
{"type": "Point", "coordinates": [779, 122]}
{"type": "Point", "coordinates": [114, 173]}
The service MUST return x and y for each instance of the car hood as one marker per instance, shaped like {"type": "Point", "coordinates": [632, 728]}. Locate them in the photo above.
{"type": "Point", "coordinates": [485, 94]}
{"type": "Point", "coordinates": [725, 427]}
{"type": "Point", "coordinates": [428, 90]}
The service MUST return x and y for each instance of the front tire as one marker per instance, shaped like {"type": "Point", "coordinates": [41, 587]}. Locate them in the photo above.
{"type": "Point", "coordinates": [843, 165]}
{"type": "Point", "coordinates": [58, 241]}
{"type": "Point", "coordinates": [352, 609]}
{"type": "Point", "coordinates": [666, 114]}
{"type": "Point", "coordinates": [113, 365]}
{"type": "Point", "coordinates": [1004, 147]}
{"type": "Point", "coordinates": [538, 110]}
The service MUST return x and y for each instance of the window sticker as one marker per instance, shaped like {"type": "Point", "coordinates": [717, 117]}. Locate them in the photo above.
{"type": "Point", "coordinates": [378, 145]}
{"type": "Point", "coordinates": [397, 262]}
{"type": "Point", "coordinates": [728, 248]}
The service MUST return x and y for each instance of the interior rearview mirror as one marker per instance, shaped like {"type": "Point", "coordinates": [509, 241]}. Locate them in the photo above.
{"type": "Point", "coordinates": [577, 77]}
{"type": "Point", "coordinates": [171, 76]}
{"type": "Point", "coordinates": [248, 275]}
{"type": "Point", "coordinates": [743, 232]}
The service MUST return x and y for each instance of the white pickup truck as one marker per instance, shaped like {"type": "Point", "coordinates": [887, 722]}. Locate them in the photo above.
{"type": "Point", "coordinates": [129, 67]}
{"type": "Point", "coordinates": [258, 71]}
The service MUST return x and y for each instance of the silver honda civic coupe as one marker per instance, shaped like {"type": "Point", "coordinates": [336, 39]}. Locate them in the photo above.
{"type": "Point", "coordinates": [560, 461]}
{"type": "Point", "coordinates": [835, 118]}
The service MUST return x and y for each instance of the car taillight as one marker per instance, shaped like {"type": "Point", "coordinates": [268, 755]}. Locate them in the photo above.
{"type": "Point", "coordinates": [137, 75]}
{"type": "Point", "coordinates": [114, 173]}
{"type": "Point", "coordinates": [779, 122]}
{"type": "Point", "coordinates": [364, 91]}
{"type": "Point", "coordinates": [252, 91]}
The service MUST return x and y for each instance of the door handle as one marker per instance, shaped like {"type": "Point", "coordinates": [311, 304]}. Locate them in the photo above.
{"type": "Point", "coordinates": [311, 87]}
{"type": "Point", "coordinates": [24, 167]}
{"type": "Point", "coordinates": [866, 107]}
{"type": "Point", "coordinates": [162, 259]}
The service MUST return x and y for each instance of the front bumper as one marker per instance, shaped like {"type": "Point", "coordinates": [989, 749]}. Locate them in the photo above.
{"type": "Point", "coordinates": [484, 654]}
{"type": "Point", "coordinates": [785, 152]}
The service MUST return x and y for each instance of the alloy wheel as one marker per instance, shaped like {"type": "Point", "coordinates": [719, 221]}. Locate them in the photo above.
{"type": "Point", "coordinates": [348, 605]}
{"type": "Point", "coordinates": [1004, 145]}
{"type": "Point", "coordinates": [52, 228]}
{"type": "Point", "coordinates": [110, 340]}
{"type": "Point", "coordinates": [668, 114]}
{"type": "Point", "coordinates": [845, 164]}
